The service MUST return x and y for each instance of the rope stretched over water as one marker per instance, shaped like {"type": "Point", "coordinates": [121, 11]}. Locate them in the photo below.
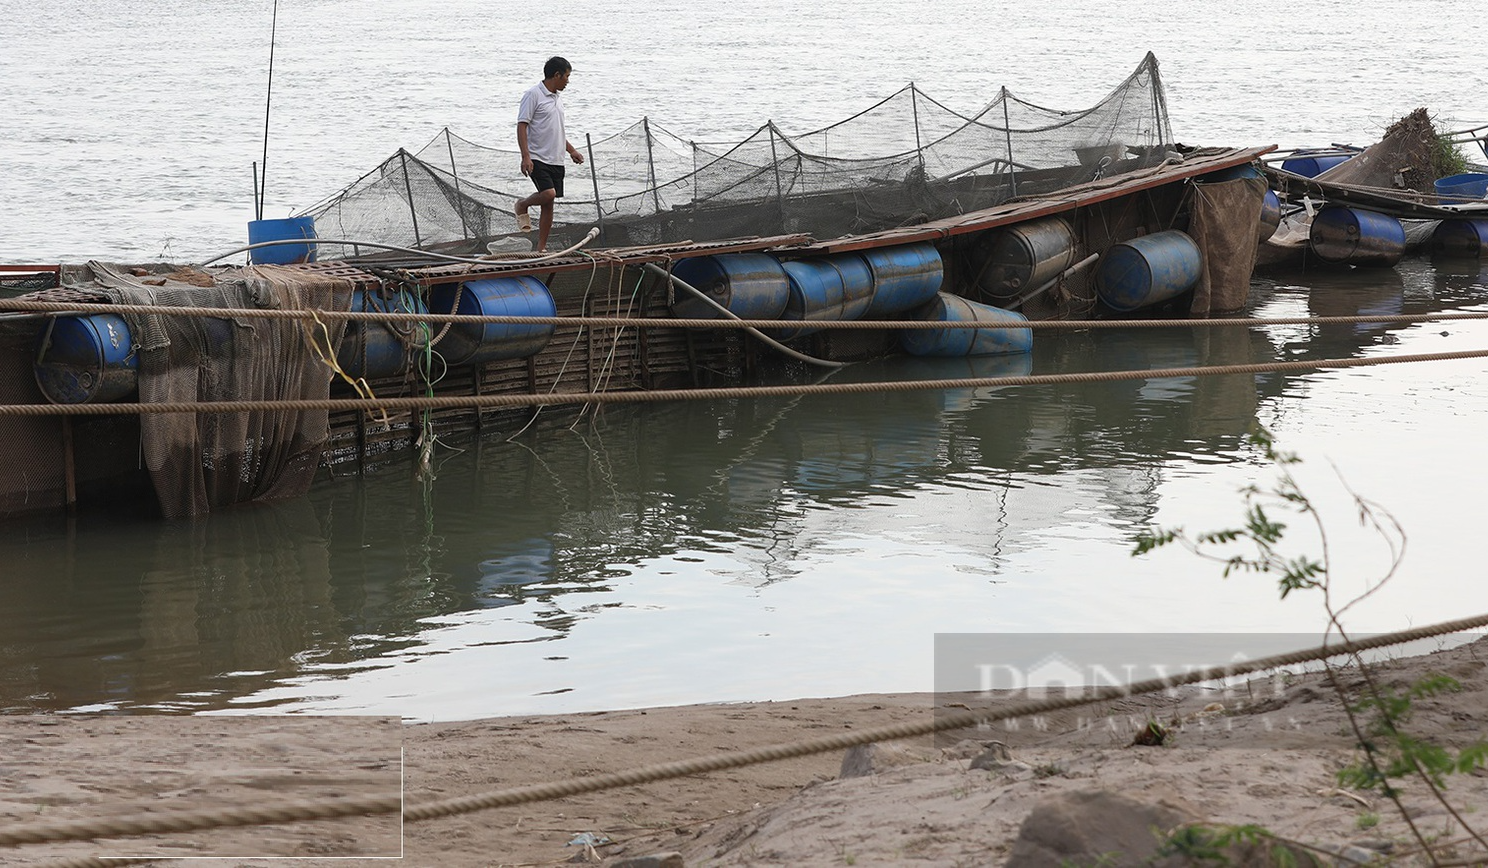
{"type": "Point", "coordinates": [144, 824]}
{"type": "Point", "coordinates": [448, 402]}
{"type": "Point", "coordinates": [65, 308]}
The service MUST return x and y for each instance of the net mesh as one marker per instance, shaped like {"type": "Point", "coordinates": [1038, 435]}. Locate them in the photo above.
{"type": "Point", "coordinates": [202, 461]}
{"type": "Point", "coordinates": [905, 160]}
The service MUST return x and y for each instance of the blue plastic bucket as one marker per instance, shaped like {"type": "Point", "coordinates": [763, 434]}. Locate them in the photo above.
{"type": "Point", "coordinates": [965, 342]}
{"type": "Point", "coordinates": [904, 277]}
{"type": "Point", "coordinates": [1466, 239]}
{"type": "Point", "coordinates": [374, 350]}
{"type": "Point", "coordinates": [1013, 261]}
{"type": "Point", "coordinates": [282, 230]}
{"type": "Point", "coordinates": [466, 343]}
{"type": "Point", "coordinates": [749, 285]}
{"type": "Point", "coordinates": [87, 360]}
{"type": "Point", "coordinates": [1460, 189]}
{"type": "Point", "coordinates": [1311, 167]}
{"type": "Point", "coordinates": [1147, 270]}
{"type": "Point", "coordinates": [1354, 236]}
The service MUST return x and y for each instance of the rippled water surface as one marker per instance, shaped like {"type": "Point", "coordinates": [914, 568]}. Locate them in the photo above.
{"type": "Point", "coordinates": [739, 549]}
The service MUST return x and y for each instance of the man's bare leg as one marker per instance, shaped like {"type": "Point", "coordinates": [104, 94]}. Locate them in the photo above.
{"type": "Point", "coordinates": [544, 223]}
{"type": "Point", "coordinates": [544, 200]}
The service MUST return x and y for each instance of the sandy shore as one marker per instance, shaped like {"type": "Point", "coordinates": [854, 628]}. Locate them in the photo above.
{"type": "Point", "coordinates": [1267, 755]}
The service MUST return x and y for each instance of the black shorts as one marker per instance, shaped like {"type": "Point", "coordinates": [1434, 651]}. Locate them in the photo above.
{"type": "Point", "coordinates": [548, 177]}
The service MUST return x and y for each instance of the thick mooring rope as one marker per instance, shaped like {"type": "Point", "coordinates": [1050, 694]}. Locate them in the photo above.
{"type": "Point", "coordinates": [446, 402]}
{"type": "Point", "coordinates": [70, 308]}
{"type": "Point", "coordinates": [83, 830]}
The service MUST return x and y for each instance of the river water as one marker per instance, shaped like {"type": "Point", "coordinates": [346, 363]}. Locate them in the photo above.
{"type": "Point", "coordinates": [732, 550]}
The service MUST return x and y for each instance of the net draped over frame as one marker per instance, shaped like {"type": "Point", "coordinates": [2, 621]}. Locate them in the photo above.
{"type": "Point", "coordinates": [908, 159]}
{"type": "Point", "coordinates": [201, 461]}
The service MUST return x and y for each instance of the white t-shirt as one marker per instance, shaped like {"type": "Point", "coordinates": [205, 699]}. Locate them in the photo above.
{"type": "Point", "coordinates": [543, 113]}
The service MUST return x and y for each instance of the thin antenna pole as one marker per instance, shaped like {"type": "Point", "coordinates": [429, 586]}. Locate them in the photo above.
{"type": "Point", "coordinates": [257, 203]}
{"type": "Point", "coordinates": [268, 97]}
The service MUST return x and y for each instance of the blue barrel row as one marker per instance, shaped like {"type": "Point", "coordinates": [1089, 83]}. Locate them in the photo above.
{"type": "Point", "coordinates": [875, 284]}
{"type": "Point", "coordinates": [843, 286]}
{"type": "Point", "coordinates": [92, 359]}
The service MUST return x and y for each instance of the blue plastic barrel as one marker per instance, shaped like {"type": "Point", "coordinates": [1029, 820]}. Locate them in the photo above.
{"type": "Point", "coordinates": [1311, 167]}
{"type": "Point", "coordinates": [467, 343]}
{"type": "Point", "coordinates": [1019, 259]}
{"type": "Point", "coordinates": [1460, 189]}
{"type": "Point", "coordinates": [965, 342]}
{"type": "Point", "coordinates": [834, 288]}
{"type": "Point", "coordinates": [749, 285]}
{"type": "Point", "coordinates": [1270, 216]}
{"type": "Point", "coordinates": [374, 350]}
{"type": "Point", "coordinates": [1353, 236]}
{"type": "Point", "coordinates": [904, 277]}
{"type": "Point", "coordinates": [87, 360]}
{"type": "Point", "coordinates": [1147, 270]}
{"type": "Point", "coordinates": [1466, 239]}
{"type": "Point", "coordinates": [281, 230]}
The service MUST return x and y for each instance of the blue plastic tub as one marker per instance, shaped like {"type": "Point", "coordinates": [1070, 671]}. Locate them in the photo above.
{"type": "Point", "coordinates": [749, 285]}
{"type": "Point", "coordinates": [282, 230]}
{"type": "Point", "coordinates": [467, 343]}
{"type": "Point", "coordinates": [1147, 270]}
{"type": "Point", "coordinates": [87, 360]}
{"type": "Point", "coordinates": [904, 277]}
{"type": "Point", "coordinates": [1460, 189]}
{"type": "Point", "coordinates": [1354, 236]}
{"type": "Point", "coordinates": [966, 342]}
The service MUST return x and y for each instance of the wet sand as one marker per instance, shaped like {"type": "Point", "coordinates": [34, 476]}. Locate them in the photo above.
{"type": "Point", "coordinates": [1267, 754]}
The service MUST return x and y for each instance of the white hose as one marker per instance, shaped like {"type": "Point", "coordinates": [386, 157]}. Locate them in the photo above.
{"type": "Point", "coordinates": [475, 260]}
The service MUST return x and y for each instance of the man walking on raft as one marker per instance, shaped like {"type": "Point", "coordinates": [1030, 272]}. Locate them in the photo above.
{"type": "Point", "coordinates": [540, 136]}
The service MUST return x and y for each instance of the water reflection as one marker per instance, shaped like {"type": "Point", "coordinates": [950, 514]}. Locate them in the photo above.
{"type": "Point", "coordinates": [545, 531]}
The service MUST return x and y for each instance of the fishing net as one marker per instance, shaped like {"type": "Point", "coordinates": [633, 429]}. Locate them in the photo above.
{"type": "Point", "coordinates": [908, 159]}
{"type": "Point", "coordinates": [1222, 222]}
{"type": "Point", "coordinates": [202, 461]}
